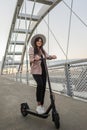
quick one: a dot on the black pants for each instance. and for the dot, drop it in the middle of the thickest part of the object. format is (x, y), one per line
(41, 86)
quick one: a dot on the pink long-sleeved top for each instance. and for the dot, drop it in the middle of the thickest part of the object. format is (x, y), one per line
(36, 65)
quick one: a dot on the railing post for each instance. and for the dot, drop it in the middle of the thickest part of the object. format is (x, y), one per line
(16, 76)
(20, 76)
(68, 80)
(27, 77)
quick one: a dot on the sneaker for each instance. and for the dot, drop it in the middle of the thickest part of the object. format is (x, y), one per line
(43, 108)
(39, 110)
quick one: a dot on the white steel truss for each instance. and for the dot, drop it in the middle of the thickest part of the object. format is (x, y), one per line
(33, 22)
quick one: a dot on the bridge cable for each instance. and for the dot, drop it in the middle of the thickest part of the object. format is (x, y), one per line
(48, 33)
(75, 14)
(69, 29)
(28, 30)
(27, 36)
(55, 37)
(26, 44)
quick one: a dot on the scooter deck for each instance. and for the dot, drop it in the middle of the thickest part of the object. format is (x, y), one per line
(25, 110)
(29, 111)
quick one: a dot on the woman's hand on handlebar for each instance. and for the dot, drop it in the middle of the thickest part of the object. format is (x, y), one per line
(54, 57)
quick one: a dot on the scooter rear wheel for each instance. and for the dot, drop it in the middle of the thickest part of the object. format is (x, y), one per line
(55, 118)
(24, 107)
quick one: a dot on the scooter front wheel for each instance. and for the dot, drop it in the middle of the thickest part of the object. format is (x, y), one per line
(23, 109)
(56, 119)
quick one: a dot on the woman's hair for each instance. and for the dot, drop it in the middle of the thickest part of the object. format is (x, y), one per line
(36, 51)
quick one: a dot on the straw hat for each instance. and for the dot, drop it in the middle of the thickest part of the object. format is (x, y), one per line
(36, 36)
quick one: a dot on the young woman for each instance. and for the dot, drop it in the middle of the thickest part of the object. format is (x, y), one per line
(38, 70)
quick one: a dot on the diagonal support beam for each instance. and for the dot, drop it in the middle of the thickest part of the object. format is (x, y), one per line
(21, 31)
(47, 2)
(17, 42)
(28, 17)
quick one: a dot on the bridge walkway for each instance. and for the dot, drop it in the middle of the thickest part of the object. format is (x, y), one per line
(73, 113)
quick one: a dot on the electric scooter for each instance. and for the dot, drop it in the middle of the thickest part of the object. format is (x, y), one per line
(25, 110)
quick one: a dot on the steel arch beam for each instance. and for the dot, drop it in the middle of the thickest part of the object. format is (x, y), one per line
(17, 9)
(48, 5)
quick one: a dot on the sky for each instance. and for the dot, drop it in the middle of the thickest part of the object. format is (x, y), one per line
(58, 23)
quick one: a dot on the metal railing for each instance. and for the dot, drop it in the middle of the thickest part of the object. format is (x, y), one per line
(67, 78)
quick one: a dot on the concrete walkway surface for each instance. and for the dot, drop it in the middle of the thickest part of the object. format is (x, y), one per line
(73, 113)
